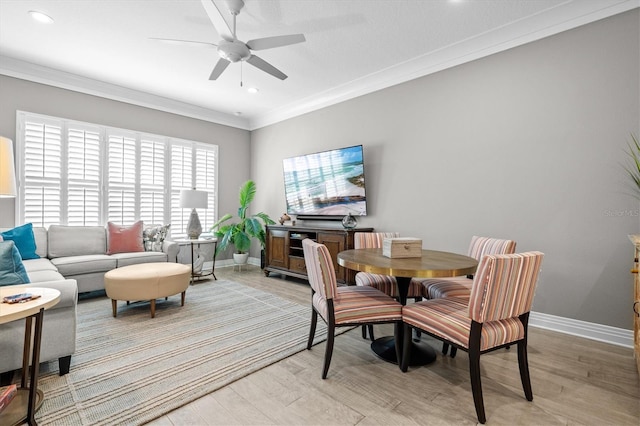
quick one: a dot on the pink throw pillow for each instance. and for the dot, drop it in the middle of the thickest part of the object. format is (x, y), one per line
(123, 239)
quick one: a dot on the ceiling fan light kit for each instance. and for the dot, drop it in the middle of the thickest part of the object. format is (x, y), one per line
(233, 51)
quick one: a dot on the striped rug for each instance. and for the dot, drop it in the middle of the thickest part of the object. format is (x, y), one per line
(132, 369)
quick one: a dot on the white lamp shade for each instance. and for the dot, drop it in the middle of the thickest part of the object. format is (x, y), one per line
(193, 199)
(7, 169)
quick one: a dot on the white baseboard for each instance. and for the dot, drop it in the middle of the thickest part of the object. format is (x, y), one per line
(229, 262)
(588, 330)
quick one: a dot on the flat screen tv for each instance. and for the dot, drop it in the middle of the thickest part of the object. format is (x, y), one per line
(326, 185)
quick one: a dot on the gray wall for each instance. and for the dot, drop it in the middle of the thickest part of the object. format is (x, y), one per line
(234, 147)
(526, 144)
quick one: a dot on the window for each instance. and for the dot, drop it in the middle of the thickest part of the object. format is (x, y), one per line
(74, 173)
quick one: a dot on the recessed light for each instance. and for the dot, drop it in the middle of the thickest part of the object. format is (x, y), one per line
(252, 90)
(41, 17)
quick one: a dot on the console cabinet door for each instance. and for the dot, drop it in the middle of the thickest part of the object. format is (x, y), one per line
(277, 249)
(335, 242)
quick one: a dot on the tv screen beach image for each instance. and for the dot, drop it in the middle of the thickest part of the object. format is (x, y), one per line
(329, 183)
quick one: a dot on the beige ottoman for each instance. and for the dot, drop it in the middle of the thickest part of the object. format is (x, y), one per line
(146, 281)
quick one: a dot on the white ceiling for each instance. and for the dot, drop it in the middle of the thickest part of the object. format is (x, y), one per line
(353, 47)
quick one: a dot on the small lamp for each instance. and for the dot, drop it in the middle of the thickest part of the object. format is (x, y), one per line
(193, 199)
(7, 169)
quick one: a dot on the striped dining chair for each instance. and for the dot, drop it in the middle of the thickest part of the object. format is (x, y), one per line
(384, 283)
(460, 287)
(496, 316)
(342, 306)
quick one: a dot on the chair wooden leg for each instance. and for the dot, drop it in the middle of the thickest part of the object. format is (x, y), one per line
(454, 351)
(445, 348)
(523, 364)
(329, 351)
(366, 327)
(417, 332)
(474, 370)
(406, 347)
(523, 361)
(312, 330)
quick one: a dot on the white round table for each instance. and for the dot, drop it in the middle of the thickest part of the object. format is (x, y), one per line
(29, 399)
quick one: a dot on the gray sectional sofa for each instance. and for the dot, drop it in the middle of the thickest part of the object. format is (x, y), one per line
(73, 259)
(80, 253)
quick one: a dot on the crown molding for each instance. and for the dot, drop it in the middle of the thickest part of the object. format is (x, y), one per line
(566, 16)
(39, 74)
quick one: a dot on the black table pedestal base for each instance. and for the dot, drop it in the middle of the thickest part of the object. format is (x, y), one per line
(421, 352)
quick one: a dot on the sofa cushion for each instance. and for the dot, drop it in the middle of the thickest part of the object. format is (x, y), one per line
(125, 259)
(68, 292)
(11, 268)
(42, 264)
(76, 265)
(41, 276)
(40, 234)
(76, 240)
(124, 239)
(24, 239)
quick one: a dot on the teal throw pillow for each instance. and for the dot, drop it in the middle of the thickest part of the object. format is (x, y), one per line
(11, 268)
(24, 239)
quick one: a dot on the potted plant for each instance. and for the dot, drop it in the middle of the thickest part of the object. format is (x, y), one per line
(240, 233)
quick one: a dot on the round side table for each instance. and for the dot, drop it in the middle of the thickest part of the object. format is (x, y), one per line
(28, 400)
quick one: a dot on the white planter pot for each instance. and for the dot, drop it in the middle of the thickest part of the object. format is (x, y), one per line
(240, 258)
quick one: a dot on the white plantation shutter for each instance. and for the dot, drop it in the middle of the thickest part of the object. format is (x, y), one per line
(152, 181)
(205, 177)
(74, 173)
(41, 172)
(181, 178)
(121, 180)
(83, 173)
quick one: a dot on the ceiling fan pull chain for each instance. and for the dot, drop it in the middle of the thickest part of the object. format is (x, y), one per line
(240, 74)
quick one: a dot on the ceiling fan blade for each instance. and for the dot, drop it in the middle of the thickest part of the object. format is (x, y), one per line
(219, 68)
(217, 19)
(277, 41)
(266, 67)
(183, 42)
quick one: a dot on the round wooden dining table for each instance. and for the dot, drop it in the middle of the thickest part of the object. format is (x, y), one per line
(432, 264)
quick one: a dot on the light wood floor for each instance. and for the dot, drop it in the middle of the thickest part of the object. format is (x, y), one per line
(575, 382)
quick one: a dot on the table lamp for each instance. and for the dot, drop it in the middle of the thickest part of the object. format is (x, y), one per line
(193, 199)
(7, 169)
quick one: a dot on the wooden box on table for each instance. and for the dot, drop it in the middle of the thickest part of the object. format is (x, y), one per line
(402, 247)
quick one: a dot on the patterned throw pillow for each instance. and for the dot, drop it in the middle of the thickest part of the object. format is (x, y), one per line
(154, 236)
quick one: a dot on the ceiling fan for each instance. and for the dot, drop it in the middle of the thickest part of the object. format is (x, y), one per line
(231, 49)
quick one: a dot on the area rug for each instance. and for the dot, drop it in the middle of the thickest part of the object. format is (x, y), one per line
(134, 368)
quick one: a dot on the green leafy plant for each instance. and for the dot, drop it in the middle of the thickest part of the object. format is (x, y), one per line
(240, 233)
(634, 169)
